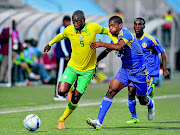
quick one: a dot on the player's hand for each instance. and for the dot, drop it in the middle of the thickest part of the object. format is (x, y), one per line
(94, 45)
(47, 48)
(165, 72)
(66, 58)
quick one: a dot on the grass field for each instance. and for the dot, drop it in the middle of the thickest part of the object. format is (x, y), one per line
(17, 102)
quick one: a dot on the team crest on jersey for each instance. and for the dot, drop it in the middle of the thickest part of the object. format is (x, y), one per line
(144, 44)
(64, 77)
(88, 33)
(81, 37)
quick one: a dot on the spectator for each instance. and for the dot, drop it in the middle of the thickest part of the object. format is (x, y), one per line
(63, 53)
(4, 42)
(24, 73)
(167, 28)
(36, 67)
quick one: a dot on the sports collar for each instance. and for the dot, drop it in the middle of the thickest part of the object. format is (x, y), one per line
(84, 29)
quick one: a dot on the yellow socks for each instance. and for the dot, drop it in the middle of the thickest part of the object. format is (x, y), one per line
(69, 109)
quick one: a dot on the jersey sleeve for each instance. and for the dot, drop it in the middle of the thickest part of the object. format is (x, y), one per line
(58, 37)
(100, 29)
(126, 35)
(156, 45)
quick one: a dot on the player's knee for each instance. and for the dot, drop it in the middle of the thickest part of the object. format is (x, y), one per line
(143, 100)
(60, 93)
(131, 97)
(75, 99)
(111, 93)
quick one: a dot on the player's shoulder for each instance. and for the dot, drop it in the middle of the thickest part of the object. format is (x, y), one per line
(125, 30)
(69, 28)
(151, 38)
(91, 24)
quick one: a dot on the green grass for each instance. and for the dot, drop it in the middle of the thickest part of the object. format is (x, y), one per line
(166, 121)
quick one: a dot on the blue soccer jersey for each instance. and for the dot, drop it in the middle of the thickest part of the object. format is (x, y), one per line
(133, 68)
(151, 48)
(132, 54)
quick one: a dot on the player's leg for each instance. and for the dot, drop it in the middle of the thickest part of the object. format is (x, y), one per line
(83, 80)
(114, 87)
(141, 90)
(117, 83)
(60, 67)
(72, 105)
(132, 104)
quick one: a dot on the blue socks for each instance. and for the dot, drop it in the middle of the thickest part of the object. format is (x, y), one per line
(105, 105)
(132, 107)
(150, 103)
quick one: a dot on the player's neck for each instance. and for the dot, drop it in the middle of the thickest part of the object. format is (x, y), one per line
(139, 35)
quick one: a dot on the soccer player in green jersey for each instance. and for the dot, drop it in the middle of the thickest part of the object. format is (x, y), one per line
(83, 59)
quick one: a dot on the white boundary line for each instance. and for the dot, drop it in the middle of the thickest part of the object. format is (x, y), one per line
(80, 105)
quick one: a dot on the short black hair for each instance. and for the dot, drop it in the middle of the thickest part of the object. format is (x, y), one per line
(67, 18)
(141, 19)
(116, 19)
(79, 13)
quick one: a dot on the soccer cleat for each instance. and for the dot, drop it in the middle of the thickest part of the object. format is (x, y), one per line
(132, 120)
(61, 125)
(94, 123)
(59, 98)
(151, 95)
(151, 112)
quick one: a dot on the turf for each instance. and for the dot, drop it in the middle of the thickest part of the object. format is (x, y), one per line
(166, 121)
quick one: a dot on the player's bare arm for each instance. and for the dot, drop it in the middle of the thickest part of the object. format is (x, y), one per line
(117, 46)
(165, 71)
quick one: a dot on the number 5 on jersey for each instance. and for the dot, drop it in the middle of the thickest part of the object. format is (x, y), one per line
(82, 43)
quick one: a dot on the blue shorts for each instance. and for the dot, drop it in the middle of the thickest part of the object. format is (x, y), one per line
(139, 80)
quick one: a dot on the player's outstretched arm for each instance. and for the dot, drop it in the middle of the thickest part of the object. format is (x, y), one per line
(117, 46)
(57, 38)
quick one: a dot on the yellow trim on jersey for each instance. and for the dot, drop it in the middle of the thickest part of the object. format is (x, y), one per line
(151, 50)
(125, 40)
(150, 83)
(152, 38)
(120, 33)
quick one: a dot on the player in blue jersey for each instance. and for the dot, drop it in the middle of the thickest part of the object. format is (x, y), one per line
(133, 70)
(151, 48)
